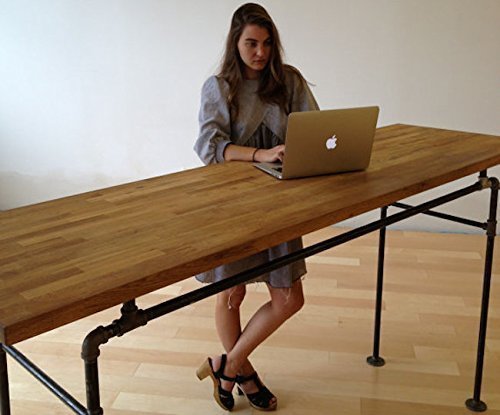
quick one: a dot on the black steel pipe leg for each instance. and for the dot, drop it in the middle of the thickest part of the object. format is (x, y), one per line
(131, 318)
(92, 387)
(375, 359)
(475, 403)
(90, 353)
(4, 384)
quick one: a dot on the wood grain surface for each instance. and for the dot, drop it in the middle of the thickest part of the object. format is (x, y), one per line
(66, 259)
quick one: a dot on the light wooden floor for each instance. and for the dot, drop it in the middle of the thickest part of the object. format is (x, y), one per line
(315, 364)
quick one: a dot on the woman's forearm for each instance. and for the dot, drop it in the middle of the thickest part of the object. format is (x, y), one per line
(233, 152)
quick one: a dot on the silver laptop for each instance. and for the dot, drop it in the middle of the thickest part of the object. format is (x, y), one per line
(325, 142)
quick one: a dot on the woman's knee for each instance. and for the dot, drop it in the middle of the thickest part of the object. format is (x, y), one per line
(233, 297)
(295, 302)
(288, 300)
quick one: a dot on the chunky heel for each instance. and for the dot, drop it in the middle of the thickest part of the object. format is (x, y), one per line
(222, 396)
(204, 370)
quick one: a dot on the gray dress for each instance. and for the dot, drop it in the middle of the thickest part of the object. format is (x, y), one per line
(258, 125)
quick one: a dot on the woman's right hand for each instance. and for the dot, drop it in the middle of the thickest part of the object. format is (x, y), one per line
(270, 155)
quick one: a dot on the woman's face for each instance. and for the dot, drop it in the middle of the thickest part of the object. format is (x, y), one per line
(254, 46)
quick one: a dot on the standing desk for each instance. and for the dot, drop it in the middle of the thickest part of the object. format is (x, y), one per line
(66, 259)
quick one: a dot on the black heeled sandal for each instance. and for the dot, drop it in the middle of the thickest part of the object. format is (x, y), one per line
(223, 397)
(260, 400)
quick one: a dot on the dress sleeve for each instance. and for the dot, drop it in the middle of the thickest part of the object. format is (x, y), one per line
(215, 122)
(302, 96)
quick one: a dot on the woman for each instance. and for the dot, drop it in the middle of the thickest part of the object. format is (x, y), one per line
(243, 116)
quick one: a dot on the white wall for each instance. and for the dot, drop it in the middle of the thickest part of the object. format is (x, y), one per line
(96, 93)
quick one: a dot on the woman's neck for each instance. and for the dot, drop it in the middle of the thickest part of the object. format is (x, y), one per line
(251, 75)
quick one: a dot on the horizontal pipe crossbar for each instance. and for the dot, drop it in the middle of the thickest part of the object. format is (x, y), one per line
(216, 287)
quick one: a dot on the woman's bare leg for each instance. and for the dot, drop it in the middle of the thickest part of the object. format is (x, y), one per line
(228, 325)
(284, 303)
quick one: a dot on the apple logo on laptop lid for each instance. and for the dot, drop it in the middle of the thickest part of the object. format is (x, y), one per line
(331, 142)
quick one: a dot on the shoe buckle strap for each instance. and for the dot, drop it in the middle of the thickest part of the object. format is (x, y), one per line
(224, 377)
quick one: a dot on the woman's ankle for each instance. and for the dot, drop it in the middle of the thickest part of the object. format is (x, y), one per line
(226, 371)
(246, 369)
(233, 366)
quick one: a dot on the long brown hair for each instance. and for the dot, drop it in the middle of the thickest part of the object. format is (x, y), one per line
(272, 86)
